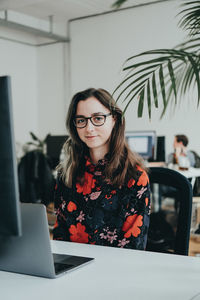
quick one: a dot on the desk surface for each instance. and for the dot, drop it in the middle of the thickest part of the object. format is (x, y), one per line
(191, 172)
(115, 274)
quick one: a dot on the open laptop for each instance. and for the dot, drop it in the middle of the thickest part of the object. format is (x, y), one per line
(31, 253)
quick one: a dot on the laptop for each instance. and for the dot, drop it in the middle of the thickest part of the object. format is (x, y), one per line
(31, 253)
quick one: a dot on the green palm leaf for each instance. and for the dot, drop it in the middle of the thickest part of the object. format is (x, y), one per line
(154, 89)
(175, 53)
(165, 68)
(196, 72)
(133, 75)
(191, 17)
(133, 96)
(162, 85)
(132, 83)
(171, 73)
(141, 103)
(118, 3)
(134, 89)
(149, 99)
(164, 73)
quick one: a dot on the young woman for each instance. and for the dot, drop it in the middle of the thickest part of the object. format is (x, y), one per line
(102, 192)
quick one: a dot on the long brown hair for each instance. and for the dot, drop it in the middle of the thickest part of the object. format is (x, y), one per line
(122, 161)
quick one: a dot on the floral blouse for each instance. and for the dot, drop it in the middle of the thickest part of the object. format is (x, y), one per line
(97, 213)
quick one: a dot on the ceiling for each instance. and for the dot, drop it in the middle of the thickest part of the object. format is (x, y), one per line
(63, 10)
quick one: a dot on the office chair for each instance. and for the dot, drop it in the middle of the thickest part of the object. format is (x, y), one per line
(171, 178)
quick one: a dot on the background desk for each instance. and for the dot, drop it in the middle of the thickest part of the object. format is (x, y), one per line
(116, 274)
(192, 173)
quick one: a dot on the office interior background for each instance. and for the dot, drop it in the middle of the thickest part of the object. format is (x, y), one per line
(90, 52)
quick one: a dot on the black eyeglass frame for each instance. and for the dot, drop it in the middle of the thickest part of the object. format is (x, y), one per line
(90, 118)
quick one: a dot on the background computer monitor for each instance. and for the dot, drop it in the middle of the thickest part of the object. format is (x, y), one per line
(143, 142)
(10, 217)
(160, 149)
(54, 146)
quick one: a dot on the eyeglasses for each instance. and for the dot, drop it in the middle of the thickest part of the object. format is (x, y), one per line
(98, 120)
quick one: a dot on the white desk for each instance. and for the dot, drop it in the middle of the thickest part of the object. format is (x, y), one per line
(191, 173)
(116, 274)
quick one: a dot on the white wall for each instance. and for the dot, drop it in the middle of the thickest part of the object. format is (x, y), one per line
(52, 83)
(20, 62)
(38, 79)
(100, 45)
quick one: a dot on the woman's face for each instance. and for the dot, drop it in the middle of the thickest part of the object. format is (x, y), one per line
(95, 137)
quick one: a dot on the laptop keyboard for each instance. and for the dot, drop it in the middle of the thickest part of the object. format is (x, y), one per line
(64, 262)
(60, 267)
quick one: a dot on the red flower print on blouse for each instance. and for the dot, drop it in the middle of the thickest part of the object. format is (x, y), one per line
(89, 184)
(71, 206)
(131, 183)
(56, 224)
(143, 179)
(131, 225)
(78, 234)
(88, 162)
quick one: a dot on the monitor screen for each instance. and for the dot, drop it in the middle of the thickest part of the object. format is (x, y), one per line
(10, 217)
(143, 142)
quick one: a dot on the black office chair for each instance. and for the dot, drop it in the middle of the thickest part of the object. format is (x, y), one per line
(180, 244)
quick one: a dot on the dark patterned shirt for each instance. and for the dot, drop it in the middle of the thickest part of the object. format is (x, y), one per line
(97, 213)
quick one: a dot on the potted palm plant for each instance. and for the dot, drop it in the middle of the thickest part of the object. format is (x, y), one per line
(158, 76)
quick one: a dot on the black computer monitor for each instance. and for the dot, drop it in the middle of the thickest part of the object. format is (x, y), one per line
(10, 213)
(54, 146)
(160, 149)
(143, 142)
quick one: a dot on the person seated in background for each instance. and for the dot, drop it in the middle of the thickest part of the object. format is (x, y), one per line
(102, 195)
(180, 151)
